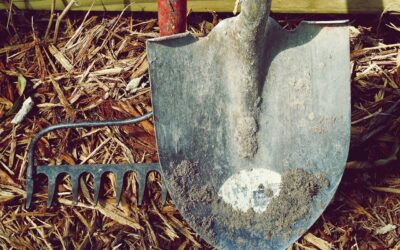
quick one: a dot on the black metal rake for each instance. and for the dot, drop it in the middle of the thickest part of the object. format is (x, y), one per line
(97, 170)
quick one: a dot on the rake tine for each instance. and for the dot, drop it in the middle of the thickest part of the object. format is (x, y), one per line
(119, 181)
(75, 187)
(51, 189)
(97, 171)
(163, 193)
(97, 183)
(142, 186)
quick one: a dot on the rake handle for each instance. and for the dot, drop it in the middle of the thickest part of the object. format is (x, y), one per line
(172, 16)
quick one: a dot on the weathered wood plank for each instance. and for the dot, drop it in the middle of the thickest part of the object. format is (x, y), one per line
(278, 6)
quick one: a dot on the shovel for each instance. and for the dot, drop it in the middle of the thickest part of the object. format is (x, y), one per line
(252, 125)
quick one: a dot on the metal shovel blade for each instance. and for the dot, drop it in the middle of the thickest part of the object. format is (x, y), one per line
(253, 125)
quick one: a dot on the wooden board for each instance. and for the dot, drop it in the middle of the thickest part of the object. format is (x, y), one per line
(278, 6)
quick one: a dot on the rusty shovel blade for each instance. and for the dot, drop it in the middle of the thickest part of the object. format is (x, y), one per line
(253, 125)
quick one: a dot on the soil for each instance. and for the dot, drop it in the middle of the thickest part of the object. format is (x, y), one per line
(187, 182)
(206, 212)
(298, 189)
(245, 136)
(269, 192)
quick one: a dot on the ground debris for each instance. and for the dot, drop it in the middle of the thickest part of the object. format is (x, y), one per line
(25, 109)
(92, 62)
(385, 229)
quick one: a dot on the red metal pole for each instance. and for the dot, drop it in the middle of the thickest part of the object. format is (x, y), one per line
(172, 16)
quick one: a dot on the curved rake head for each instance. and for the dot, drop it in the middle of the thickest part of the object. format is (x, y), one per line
(97, 170)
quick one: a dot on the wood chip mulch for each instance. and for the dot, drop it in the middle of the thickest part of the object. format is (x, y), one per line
(94, 67)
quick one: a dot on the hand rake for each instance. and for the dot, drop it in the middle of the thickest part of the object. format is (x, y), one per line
(97, 170)
(170, 22)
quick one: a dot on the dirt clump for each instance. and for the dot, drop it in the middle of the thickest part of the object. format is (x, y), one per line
(186, 177)
(192, 192)
(245, 136)
(269, 192)
(298, 189)
(207, 212)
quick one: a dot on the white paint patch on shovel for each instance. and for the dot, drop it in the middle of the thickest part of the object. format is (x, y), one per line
(253, 188)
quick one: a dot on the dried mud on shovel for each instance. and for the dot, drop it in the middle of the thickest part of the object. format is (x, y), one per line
(297, 192)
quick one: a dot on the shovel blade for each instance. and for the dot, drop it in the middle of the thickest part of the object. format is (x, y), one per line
(251, 124)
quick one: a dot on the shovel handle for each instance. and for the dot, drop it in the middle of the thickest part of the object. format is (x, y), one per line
(172, 16)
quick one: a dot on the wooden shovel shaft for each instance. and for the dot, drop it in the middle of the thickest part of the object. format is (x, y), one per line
(172, 16)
